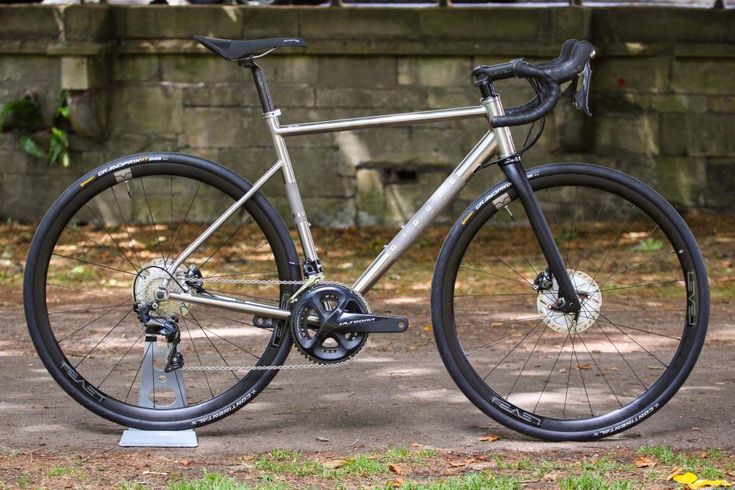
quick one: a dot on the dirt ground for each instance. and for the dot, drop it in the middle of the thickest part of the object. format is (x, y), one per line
(395, 394)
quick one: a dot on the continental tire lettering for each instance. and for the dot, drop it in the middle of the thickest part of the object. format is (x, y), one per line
(82, 383)
(127, 163)
(210, 418)
(631, 421)
(491, 196)
(515, 411)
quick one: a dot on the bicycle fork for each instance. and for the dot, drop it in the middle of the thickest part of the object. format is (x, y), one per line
(515, 173)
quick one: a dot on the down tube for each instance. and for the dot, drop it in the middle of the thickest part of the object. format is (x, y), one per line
(443, 196)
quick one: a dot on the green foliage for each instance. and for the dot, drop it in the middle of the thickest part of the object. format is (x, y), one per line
(23, 117)
(595, 481)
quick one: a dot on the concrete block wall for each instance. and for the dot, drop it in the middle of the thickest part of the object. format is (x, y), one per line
(663, 96)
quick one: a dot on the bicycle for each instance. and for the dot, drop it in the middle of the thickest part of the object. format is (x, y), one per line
(547, 244)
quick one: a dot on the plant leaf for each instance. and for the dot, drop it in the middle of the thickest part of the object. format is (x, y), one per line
(31, 147)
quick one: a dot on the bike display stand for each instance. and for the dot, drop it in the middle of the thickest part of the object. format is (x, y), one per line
(158, 383)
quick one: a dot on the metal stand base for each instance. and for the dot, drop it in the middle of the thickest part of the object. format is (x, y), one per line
(159, 389)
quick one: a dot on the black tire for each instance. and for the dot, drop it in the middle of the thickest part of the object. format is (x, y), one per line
(88, 211)
(610, 398)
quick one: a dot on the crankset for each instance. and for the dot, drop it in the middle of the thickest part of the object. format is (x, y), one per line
(330, 323)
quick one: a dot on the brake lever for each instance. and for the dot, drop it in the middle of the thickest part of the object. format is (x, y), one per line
(581, 97)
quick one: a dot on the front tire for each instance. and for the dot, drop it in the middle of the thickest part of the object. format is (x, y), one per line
(639, 272)
(103, 242)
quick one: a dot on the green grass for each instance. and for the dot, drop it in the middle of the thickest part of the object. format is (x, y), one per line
(470, 481)
(596, 481)
(59, 471)
(698, 465)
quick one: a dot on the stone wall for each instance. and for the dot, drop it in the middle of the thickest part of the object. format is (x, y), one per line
(663, 96)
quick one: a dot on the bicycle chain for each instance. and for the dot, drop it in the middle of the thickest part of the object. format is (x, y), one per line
(311, 365)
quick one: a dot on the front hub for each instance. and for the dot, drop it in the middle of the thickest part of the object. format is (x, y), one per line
(590, 298)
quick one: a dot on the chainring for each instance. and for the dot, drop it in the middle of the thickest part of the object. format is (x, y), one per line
(314, 314)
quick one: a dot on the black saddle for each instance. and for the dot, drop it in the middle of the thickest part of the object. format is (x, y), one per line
(233, 50)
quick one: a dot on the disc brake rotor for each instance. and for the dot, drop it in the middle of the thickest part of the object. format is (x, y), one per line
(590, 298)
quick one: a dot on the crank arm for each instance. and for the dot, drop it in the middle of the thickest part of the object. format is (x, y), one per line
(367, 323)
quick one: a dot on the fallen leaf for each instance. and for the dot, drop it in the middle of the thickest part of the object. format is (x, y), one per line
(427, 328)
(398, 469)
(322, 439)
(644, 463)
(334, 464)
(709, 484)
(248, 457)
(185, 462)
(674, 472)
(489, 438)
(584, 367)
(416, 444)
(458, 464)
(685, 478)
(394, 483)
(482, 465)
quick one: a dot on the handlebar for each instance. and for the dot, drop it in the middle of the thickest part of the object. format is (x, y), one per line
(572, 61)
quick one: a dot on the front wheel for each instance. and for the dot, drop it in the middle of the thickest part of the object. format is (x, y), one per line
(105, 245)
(645, 305)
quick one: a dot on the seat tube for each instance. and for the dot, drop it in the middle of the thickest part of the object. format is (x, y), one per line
(514, 171)
(312, 265)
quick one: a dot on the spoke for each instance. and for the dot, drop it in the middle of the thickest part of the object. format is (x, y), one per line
(615, 240)
(513, 349)
(634, 340)
(127, 229)
(181, 223)
(210, 341)
(646, 285)
(83, 310)
(581, 375)
(120, 360)
(137, 371)
(153, 222)
(513, 218)
(242, 223)
(88, 291)
(569, 375)
(103, 338)
(601, 371)
(636, 266)
(543, 331)
(494, 341)
(551, 372)
(94, 320)
(638, 245)
(231, 343)
(587, 250)
(621, 355)
(112, 251)
(524, 281)
(640, 329)
(89, 208)
(494, 294)
(196, 353)
(94, 264)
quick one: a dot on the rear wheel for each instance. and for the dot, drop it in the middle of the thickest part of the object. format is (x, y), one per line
(639, 275)
(103, 246)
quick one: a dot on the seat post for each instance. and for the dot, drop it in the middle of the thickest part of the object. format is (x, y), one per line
(260, 84)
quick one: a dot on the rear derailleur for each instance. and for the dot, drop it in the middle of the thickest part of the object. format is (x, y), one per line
(167, 328)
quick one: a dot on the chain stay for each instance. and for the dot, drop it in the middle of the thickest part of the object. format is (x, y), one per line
(311, 365)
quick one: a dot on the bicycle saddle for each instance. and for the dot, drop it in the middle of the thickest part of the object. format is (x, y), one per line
(239, 49)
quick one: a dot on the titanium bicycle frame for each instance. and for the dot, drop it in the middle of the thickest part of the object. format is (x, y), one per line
(497, 141)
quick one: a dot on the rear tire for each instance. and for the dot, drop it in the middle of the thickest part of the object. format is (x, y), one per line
(655, 308)
(93, 243)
